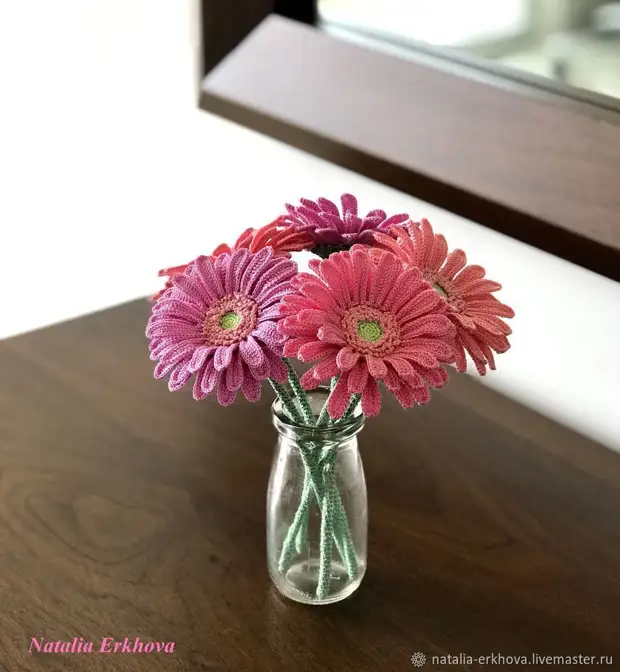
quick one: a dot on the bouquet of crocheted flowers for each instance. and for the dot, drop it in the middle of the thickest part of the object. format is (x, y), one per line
(386, 304)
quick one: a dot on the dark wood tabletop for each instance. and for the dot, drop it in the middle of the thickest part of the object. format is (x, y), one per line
(127, 511)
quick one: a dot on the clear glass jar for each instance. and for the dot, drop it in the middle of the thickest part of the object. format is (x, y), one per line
(317, 511)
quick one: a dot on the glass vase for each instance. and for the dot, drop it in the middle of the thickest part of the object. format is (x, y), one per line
(317, 512)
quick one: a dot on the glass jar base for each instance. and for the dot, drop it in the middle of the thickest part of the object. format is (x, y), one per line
(301, 580)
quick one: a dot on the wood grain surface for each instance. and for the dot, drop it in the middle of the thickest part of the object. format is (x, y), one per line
(127, 511)
(536, 166)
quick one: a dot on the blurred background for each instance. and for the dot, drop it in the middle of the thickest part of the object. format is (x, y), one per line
(576, 42)
(109, 172)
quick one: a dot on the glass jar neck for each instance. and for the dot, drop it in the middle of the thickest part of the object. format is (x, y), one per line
(334, 433)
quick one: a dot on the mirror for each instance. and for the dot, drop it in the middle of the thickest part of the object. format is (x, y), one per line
(576, 43)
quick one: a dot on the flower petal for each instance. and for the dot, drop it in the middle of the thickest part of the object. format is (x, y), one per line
(315, 350)
(469, 274)
(358, 377)
(191, 288)
(254, 269)
(382, 281)
(339, 398)
(429, 325)
(308, 381)
(277, 369)
(371, 398)
(325, 369)
(480, 287)
(200, 357)
(176, 355)
(376, 367)
(251, 352)
(442, 350)
(437, 377)
(423, 358)
(197, 391)
(347, 358)
(292, 346)
(207, 277)
(223, 356)
(331, 334)
(225, 397)
(455, 262)
(251, 387)
(269, 334)
(176, 329)
(178, 377)
(361, 274)
(234, 373)
(428, 300)
(319, 294)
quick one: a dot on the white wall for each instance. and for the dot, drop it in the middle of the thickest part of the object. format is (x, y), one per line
(108, 172)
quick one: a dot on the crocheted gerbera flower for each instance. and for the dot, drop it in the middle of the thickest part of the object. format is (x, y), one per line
(283, 238)
(365, 323)
(332, 231)
(473, 309)
(218, 321)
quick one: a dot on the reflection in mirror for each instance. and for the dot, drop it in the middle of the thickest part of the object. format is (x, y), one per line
(576, 42)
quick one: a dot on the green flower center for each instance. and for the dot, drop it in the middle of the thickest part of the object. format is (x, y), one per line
(369, 330)
(440, 290)
(230, 320)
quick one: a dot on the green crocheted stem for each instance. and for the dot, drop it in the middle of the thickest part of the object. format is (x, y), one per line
(300, 394)
(342, 523)
(301, 538)
(313, 487)
(299, 532)
(350, 409)
(301, 514)
(319, 483)
(324, 417)
(308, 414)
(287, 401)
(327, 528)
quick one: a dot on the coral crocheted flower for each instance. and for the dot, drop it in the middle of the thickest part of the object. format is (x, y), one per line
(365, 323)
(218, 320)
(283, 238)
(168, 273)
(332, 231)
(473, 309)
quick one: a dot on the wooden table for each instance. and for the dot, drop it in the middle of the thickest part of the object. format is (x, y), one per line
(127, 511)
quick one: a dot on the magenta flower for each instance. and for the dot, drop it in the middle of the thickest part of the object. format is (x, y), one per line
(332, 231)
(218, 321)
(367, 322)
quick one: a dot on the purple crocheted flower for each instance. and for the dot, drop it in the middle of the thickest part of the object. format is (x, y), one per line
(333, 231)
(218, 321)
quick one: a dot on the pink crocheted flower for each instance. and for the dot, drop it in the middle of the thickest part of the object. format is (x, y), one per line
(283, 238)
(473, 309)
(331, 230)
(365, 323)
(218, 320)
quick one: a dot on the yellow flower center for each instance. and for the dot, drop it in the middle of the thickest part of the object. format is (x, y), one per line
(230, 320)
(369, 330)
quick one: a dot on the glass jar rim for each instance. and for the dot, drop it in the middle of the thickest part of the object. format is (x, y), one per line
(333, 433)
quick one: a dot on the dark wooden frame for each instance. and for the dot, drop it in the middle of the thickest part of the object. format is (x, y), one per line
(537, 166)
(225, 23)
